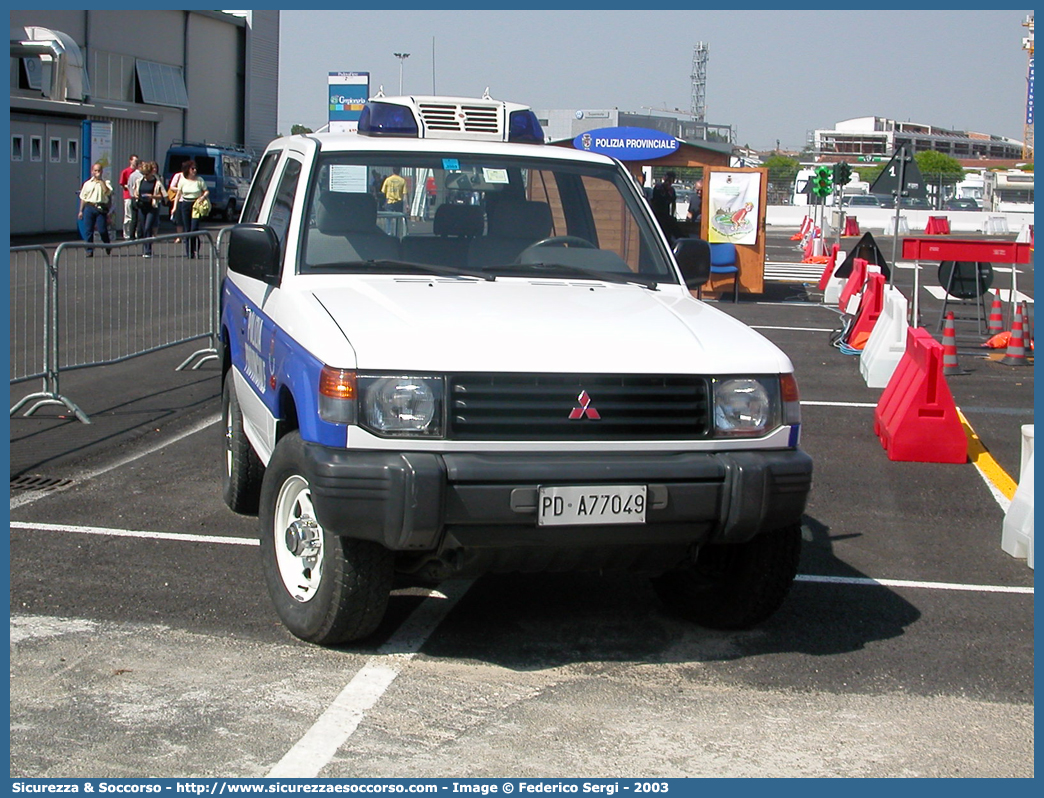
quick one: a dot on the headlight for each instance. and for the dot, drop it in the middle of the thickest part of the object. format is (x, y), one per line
(407, 405)
(745, 407)
(399, 405)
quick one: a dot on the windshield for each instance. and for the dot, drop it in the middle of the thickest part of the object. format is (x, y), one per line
(508, 216)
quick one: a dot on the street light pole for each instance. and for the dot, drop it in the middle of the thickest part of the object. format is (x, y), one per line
(402, 57)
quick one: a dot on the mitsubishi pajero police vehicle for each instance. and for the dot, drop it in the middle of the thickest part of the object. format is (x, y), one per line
(510, 375)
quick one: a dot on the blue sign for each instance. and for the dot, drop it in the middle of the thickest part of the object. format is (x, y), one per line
(627, 143)
(348, 93)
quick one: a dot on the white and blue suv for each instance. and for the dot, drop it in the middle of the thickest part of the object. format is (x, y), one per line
(508, 372)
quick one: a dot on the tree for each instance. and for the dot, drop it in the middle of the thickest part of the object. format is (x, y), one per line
(938, 167)
(940, 173)
(781, 173)
(298, 129)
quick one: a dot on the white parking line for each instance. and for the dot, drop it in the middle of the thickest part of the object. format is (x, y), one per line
(134, 533)
(793, 329)
(867, 581)
(321, 742)
(31, 496)
(190, 538)
(815, 403)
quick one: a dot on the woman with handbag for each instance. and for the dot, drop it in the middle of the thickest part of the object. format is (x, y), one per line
(172, 203)
(95, 202)
(149, 197)
(191, 187)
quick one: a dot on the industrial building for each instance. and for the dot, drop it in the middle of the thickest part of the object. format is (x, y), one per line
(874, 136)
(107, 83)
(560, 124)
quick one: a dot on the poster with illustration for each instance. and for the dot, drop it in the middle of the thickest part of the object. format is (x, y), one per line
(734, 211)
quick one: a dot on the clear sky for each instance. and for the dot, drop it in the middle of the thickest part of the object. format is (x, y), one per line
(771, 74)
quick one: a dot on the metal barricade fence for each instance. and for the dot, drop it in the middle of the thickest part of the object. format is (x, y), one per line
(94, 309)
(30, 299)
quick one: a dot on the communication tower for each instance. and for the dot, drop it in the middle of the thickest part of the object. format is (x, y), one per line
(1027, 137)
(698, 104)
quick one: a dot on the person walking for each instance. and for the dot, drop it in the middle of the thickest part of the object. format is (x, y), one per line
(172, 194)
(432, 191)
(149, 197)
(663, 204)
(375, 187)
(394, 190)
(128, 200)
(191, 187)
(95, 202)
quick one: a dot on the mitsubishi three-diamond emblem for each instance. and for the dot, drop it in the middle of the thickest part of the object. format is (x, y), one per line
(585, 409)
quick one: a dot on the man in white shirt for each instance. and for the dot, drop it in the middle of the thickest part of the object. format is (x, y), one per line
(132, 187)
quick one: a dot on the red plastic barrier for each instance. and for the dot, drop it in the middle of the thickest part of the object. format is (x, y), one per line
(938, 225)
(828, 272)
(854, 284)
(851, 226)
(810, 245)
(870, 306)
(963, 249)
(916, 419)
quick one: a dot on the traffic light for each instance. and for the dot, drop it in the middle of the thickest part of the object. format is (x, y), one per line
(842, 173)
(821, 182)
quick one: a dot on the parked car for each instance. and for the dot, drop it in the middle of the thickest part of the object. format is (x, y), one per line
(529, 384)
(915, 203)
(961, 205)
(864, 201)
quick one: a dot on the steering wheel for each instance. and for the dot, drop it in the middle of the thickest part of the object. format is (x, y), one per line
(557, 241)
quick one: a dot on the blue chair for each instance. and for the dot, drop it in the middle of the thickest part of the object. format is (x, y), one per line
(724, 261)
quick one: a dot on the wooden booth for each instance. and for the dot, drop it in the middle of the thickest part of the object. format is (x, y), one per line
(714, 159)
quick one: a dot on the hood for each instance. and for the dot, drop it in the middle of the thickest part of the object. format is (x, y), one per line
(541, 325)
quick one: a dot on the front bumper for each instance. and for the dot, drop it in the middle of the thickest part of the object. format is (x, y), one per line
(416, 501)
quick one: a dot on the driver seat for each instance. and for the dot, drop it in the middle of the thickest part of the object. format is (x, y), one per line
(514, 224)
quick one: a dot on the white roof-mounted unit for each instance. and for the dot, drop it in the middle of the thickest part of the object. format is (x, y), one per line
(64, 77)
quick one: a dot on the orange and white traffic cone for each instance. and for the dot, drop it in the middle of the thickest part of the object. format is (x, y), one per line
(996, 322)
(1016, 354)
(800, 234)
(949, 343)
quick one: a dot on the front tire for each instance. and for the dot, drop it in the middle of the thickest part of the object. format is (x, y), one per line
(735, 586)
(326, 589)
(243, 471)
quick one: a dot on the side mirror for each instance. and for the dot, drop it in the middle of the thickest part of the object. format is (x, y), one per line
(254, 251)
(694, 260)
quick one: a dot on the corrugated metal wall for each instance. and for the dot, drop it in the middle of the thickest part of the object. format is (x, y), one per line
(262, 79)
(132, 136)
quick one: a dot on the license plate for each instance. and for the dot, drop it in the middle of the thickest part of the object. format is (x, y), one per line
(596, 504)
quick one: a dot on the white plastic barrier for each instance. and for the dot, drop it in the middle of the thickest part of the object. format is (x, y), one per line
(996, 224)
(1017, 530)
(1025, 235)
(904, 227)
(832, 292)
(887, 342)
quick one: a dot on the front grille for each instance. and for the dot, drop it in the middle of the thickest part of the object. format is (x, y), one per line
(526, 407)
(453, 118)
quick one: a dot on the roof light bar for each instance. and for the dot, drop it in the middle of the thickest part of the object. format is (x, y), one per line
(388, 119)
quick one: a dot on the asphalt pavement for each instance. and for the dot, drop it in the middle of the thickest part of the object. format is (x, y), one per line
(144, 643)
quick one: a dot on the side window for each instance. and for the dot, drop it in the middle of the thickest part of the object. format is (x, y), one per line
(258, 189)
(282, 207)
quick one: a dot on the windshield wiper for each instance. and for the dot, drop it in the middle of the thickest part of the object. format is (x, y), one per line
(425, 268)
(576, 271)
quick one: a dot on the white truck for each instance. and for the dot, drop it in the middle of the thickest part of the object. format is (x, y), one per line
(523, 383)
